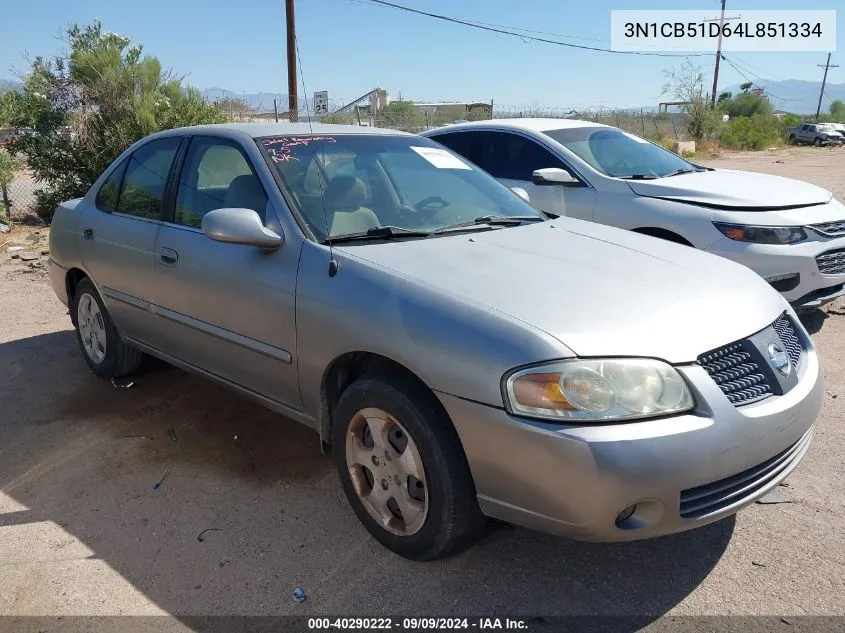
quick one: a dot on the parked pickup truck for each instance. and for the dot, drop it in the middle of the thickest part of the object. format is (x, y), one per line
(815, 133)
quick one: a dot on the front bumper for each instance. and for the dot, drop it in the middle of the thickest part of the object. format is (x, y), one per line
(574, 480)
(770, 260)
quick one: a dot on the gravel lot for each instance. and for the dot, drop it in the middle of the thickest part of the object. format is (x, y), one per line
(83, 532)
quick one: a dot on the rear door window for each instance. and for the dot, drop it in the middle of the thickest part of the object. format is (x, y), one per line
(142, 194)
(459, 142)
(110, 190)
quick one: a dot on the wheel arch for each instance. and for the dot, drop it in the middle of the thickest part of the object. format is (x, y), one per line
(72, 279)
(348, 367)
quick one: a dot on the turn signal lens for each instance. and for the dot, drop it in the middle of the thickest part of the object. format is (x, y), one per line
(540, 391)
(762, 234)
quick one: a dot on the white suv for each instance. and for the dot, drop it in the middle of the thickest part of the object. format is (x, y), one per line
(790, 232)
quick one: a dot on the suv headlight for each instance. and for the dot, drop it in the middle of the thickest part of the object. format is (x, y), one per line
(762, 234)
(594, 390)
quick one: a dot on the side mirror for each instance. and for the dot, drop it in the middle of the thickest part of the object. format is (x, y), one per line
(521, 193)
(239, 226)
(554, 176)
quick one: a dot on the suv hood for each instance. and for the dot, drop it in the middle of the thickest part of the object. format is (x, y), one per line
(730, 189)
(600, 291)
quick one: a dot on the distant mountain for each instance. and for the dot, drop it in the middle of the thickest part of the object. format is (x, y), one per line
(798, 96)
(258, 101)
(10, 84)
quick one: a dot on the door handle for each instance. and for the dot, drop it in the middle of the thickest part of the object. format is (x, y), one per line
(169, 256)
(88, 234)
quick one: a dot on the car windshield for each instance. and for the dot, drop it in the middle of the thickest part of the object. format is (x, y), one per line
(351, 184)
(620, 154)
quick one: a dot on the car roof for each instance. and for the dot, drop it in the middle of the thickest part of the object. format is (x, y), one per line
(526, 124)
(258, 130)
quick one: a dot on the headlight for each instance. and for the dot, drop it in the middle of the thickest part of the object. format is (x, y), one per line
(597, 390)
(762, 234)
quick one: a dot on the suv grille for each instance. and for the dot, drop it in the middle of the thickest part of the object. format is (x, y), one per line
(738, 373)
(830, 229)
(831, 262)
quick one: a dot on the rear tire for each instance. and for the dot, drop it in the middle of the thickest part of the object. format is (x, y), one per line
(792, 139)
(106, 353)
(817, 142)
(383, 411)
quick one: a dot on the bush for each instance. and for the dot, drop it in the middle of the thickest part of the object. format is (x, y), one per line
(745, 104)
(80, 110)
(752, 133)
(9, 165)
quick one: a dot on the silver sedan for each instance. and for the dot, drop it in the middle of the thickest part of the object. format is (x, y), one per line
(458, 353)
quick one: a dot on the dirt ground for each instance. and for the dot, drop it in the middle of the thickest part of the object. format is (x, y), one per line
(83, 532)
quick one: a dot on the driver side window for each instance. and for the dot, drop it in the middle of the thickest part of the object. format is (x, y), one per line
(511, 156)
(216, 174)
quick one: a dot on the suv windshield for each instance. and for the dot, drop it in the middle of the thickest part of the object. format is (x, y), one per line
(620, 154)
(349, 184)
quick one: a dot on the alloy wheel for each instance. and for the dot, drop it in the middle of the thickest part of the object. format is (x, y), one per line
(387, 472)
(92, 328)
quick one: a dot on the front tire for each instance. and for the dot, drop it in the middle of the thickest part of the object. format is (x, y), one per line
(107, 355)
(403, 469)
(817, 142)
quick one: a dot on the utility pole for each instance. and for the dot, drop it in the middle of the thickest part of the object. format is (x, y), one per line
(293, 100)
(718, 57)
(826, 67)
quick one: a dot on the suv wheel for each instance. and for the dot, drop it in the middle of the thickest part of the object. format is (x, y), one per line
(403, 468)
(106, 353)
(818, 141)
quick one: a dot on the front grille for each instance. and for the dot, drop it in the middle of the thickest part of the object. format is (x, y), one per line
(830, 229)
(831, 262)
(786, 331)
(737, 374)
(718, 495)
(738, 368)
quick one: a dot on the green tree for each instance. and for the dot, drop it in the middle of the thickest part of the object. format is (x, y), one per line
(746, 86)
(746, 104)
(233, 107)
(78, 111)
(727, 95)
(837, 110)
(400, 108)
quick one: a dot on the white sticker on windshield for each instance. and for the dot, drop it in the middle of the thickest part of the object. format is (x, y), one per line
(440, 158)
(635, 137)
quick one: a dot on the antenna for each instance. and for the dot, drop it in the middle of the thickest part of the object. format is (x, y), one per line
(333, 265)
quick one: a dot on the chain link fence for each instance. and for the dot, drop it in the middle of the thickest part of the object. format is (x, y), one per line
(415, 116)
(17, 188)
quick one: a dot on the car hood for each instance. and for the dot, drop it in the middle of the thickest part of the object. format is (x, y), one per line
(730, 189)
(599, 290)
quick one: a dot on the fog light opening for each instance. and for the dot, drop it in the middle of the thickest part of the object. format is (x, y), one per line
(784, 283)
(625, 514)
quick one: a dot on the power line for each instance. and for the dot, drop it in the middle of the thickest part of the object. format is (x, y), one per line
(511, 32)
(746, 77)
